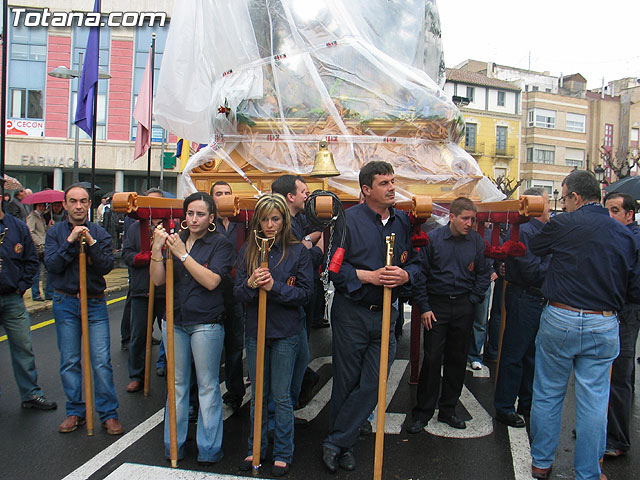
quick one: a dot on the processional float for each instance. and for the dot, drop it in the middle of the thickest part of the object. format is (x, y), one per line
(146, 209)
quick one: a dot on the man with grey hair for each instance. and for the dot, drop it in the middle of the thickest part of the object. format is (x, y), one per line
(524, 302)
(594, 269)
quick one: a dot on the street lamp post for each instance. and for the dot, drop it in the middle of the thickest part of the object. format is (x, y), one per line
(68, 74)
(555, 200)
(599, 173)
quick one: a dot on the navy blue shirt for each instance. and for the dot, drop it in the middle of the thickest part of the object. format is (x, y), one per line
(529, 270)
(366, 249)
(453, 266)
(230, 233)
(635, 229)
(18, 259)
(194, 303)
(62, 258)
(300, 228)
(595, 260)
(139, 280)
(292, 287)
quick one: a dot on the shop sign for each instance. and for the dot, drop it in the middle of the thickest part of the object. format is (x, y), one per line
(26, 128)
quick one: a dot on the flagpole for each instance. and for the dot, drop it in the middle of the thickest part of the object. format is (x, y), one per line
(95, 123)
(3, 103)
(153, 58)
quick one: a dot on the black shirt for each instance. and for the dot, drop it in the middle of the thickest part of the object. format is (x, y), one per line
(594, 263)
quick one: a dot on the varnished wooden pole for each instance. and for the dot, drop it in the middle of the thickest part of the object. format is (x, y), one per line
(503, 324)
(171, 364)
(259, 377)
(384, 368)
(147, 350)
(86, 353)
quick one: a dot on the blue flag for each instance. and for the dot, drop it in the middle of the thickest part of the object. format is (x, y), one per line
(88, 80)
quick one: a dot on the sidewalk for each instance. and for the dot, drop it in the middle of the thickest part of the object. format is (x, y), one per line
(117, 280)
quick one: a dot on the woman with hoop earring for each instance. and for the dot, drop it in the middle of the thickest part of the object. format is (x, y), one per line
(205, 257)
(288, 282)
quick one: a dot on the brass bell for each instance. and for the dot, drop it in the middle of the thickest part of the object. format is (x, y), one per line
(324, 166)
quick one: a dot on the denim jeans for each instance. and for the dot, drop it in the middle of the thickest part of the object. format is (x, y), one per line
(35, 286)
(138, 341)
(481, 313)
(66, 311)
(301, 360)
(15, 320)
(202, 342)
(517, 360)
(588, 344)
(279, 357)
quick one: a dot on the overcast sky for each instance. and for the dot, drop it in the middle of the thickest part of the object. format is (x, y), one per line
(595, 39)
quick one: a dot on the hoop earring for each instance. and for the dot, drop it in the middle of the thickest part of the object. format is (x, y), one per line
(211, 225)
(183, 225)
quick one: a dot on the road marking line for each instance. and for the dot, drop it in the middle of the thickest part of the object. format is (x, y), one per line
(49, 322)
(480, 425)
(116, 448)
(134, 471)
(520, 452)
(392, 421)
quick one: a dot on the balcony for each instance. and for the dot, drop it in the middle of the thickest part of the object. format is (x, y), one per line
(508, 152)
(477, 149)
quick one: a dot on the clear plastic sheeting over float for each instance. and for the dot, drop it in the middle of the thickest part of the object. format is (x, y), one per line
(265, 81)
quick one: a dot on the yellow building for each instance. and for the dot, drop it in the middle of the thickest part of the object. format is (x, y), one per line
(491, 110)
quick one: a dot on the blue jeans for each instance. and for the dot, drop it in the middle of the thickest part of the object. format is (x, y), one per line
(481, 313)
(301, 361)
(202, 342)
(15, 320)
(66, 311)
(35, 286)
(279, 357)
(588, 344)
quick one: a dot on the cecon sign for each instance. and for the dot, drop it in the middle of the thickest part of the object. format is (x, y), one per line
(26, 128)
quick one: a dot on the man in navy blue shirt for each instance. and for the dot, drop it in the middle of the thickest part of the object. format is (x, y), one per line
(622, 207)
(356, 313)
(18, 264)
(233, 322)
(457, 276)
(62, 248)
(594, 270)
(524, 301)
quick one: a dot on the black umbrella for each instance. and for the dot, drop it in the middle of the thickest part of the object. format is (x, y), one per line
(87, 185)
(630, 185)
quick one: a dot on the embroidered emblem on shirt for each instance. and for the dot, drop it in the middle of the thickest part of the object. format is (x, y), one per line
(403, 257)
(292, 281)
(18, 248)
(471, 266)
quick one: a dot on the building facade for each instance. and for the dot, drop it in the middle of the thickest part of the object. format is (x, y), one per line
(492, 117)
(40, 142)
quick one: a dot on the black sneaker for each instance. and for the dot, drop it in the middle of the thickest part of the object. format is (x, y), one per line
(41, 403)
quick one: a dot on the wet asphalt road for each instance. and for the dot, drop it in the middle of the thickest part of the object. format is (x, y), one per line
(31, 447)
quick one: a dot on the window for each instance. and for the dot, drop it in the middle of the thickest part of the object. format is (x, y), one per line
(576, 122)
(539, 117)
(534, 88)
(80, 37)
(27, 71)
(470, 136)
(499, 172)
(541, 154)
(608, 137)
(544, 185)
(143, 44)
(501, 97)
(470, 94)
(574, 157)
(501, 140)
(634, 137)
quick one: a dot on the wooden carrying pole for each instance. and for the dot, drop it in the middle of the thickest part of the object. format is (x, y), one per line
(171, 363)
(147, 354)
(86, 354)
(503, 325)
(259, 380)
(384, 365)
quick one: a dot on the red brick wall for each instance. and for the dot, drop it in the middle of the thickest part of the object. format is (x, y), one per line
(57, 89)
(119, 102)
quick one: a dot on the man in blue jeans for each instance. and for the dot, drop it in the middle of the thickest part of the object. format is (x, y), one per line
(594, 269)
(62, 250)
(18, 264)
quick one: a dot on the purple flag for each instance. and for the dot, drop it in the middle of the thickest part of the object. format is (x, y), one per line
(88, 80)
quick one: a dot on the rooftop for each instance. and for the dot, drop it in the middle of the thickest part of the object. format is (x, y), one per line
(473, 78)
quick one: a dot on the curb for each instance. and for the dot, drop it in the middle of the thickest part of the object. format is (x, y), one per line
(47, 306)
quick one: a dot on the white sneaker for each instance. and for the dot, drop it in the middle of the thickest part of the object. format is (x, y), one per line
(476, 366)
